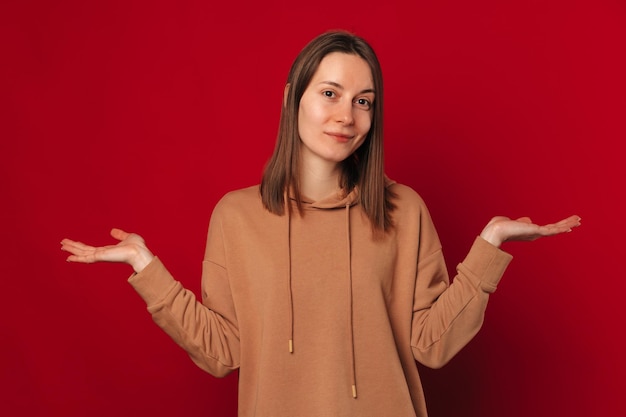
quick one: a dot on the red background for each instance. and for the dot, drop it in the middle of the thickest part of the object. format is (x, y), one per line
(141, 114)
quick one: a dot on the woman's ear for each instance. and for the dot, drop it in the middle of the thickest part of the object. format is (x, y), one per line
(286, 94)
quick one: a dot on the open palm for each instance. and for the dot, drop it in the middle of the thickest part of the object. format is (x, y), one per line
(131, 249)
(502, 229)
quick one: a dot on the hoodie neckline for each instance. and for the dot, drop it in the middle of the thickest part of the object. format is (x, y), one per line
(332, 201)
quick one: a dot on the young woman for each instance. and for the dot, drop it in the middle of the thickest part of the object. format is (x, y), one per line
(324, 284)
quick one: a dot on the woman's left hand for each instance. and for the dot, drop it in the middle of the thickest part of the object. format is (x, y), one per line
(502, 229)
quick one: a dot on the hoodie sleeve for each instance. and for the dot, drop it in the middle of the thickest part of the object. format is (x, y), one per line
(447, 316)
(207, 330)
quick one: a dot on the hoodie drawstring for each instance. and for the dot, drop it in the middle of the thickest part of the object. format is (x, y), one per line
(290, 295)
(350, 299)
(351, 309)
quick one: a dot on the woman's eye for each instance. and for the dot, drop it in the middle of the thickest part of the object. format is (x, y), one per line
(364, 103)
(328, 93)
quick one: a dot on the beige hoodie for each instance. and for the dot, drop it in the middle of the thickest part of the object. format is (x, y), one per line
(320, 318)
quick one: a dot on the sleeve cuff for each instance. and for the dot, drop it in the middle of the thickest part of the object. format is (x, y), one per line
(485, 264)
(153, 282)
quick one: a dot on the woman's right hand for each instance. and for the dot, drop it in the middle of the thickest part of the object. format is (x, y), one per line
(131, 250)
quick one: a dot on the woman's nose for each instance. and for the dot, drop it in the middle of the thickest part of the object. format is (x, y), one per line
(344, 113)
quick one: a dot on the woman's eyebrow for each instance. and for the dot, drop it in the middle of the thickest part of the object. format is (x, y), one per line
(339, 86)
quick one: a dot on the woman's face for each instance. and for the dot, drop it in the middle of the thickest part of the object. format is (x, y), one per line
(335, 112)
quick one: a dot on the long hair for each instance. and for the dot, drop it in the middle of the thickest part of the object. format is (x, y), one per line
(363, 169)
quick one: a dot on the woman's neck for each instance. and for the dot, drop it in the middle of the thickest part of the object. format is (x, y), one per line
(319, 180)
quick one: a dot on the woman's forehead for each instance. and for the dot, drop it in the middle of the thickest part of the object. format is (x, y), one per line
(345, 71)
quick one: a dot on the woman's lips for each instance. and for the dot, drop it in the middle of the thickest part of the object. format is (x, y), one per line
(340, 137)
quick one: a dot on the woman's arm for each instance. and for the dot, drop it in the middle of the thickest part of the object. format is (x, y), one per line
(447, 316)
(208, 332)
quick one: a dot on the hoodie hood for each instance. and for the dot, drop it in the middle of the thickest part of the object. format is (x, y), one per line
(333, 201)
(336, 200)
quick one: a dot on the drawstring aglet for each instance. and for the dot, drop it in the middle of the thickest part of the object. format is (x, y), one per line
(353, 391)
(290, 345)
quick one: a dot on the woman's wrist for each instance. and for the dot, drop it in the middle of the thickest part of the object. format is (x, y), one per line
(490, 234)
(142, 258)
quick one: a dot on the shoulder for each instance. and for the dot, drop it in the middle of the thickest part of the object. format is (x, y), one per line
(242, 196)
(412, 218)
(410, 209)
(239, 201)
(405, 196)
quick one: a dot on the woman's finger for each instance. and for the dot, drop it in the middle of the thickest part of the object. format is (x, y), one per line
(119, 234)
(76, 248)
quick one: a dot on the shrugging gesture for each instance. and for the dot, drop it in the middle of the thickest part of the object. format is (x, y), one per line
(295, 303)
(131, 250)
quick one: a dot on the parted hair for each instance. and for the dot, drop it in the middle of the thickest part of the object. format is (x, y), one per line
(364, 169)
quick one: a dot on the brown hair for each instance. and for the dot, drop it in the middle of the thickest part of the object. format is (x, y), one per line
(364, 168)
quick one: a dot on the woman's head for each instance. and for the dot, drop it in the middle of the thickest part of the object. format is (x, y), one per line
(365, 166)
(307, 63)
(335, 112)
